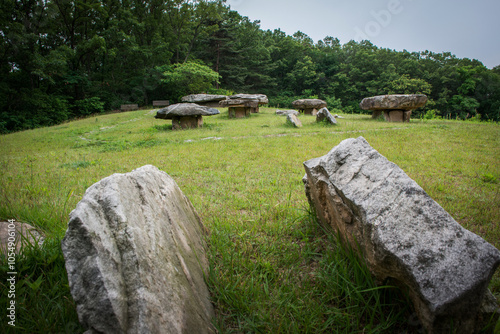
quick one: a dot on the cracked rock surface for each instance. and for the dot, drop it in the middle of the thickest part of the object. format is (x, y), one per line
(404, 235)
(135, 257)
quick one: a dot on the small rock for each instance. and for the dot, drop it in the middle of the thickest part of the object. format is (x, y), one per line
(20, 234)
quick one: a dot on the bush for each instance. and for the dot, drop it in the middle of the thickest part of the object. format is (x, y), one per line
(432, 114)
(89, 106)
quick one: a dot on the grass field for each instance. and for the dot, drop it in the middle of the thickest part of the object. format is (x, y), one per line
(272, 268)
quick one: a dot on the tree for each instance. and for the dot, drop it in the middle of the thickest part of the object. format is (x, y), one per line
(188, 78)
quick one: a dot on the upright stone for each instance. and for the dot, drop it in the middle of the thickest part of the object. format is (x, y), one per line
(135, 257)
(293, 120)
(404, 235)
(324, 115)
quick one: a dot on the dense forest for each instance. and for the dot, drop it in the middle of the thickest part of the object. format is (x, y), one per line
(63, 59)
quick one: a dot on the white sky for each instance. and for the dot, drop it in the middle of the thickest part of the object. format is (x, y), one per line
(467, 29)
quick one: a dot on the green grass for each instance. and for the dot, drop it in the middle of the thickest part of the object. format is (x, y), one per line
(272, 268)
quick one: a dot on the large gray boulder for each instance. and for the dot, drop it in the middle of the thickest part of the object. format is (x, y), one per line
(135, 257)
(395, 108)
(186, 115)
(405, 237)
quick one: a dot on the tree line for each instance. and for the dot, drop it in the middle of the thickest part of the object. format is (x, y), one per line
(63, 59)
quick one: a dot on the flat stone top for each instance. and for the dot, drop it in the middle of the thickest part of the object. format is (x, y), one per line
(394, 102)
(308, 103)
(185, 109)
(194, 98)
(240, 103)
(260, 97)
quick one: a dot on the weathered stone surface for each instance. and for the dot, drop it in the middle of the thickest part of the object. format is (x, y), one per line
(186, 115)
(20, 235)
(239, 112)
(261, 98)
(135, 257)
(325, 115)
(403, 235)
(308, 103)
(239, 103)
(249, 102)
(187, 122)
(197, 98)
(293, 120)
(207, 100)
(286, 112)
(309, 106)
(395, 108)
(394, 102)
(185, 109)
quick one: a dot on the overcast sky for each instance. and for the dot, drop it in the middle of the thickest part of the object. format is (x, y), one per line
(467, 29)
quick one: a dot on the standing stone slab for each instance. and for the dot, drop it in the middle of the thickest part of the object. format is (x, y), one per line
(324, 115)
(135, 257)
(404, 235)
(293, 120)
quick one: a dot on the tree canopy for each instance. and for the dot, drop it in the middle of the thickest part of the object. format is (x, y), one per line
(61, 59)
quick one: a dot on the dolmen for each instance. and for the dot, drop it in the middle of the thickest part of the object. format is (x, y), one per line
(135, 257)
(404, 236)
(186, 115)
(324, 115)
(242, 105)
(395, 108)
(207, 100)
(309, 106)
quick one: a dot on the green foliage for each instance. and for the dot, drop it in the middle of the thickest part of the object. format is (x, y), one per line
(273, 268)
(43, 300)
(58, 53)
(431, 114)
(89, 106)
(188, 78)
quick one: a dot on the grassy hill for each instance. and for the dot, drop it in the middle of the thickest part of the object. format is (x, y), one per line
(272, 267)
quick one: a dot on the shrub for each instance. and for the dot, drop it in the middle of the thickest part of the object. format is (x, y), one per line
(89, 106)
(432, 114)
